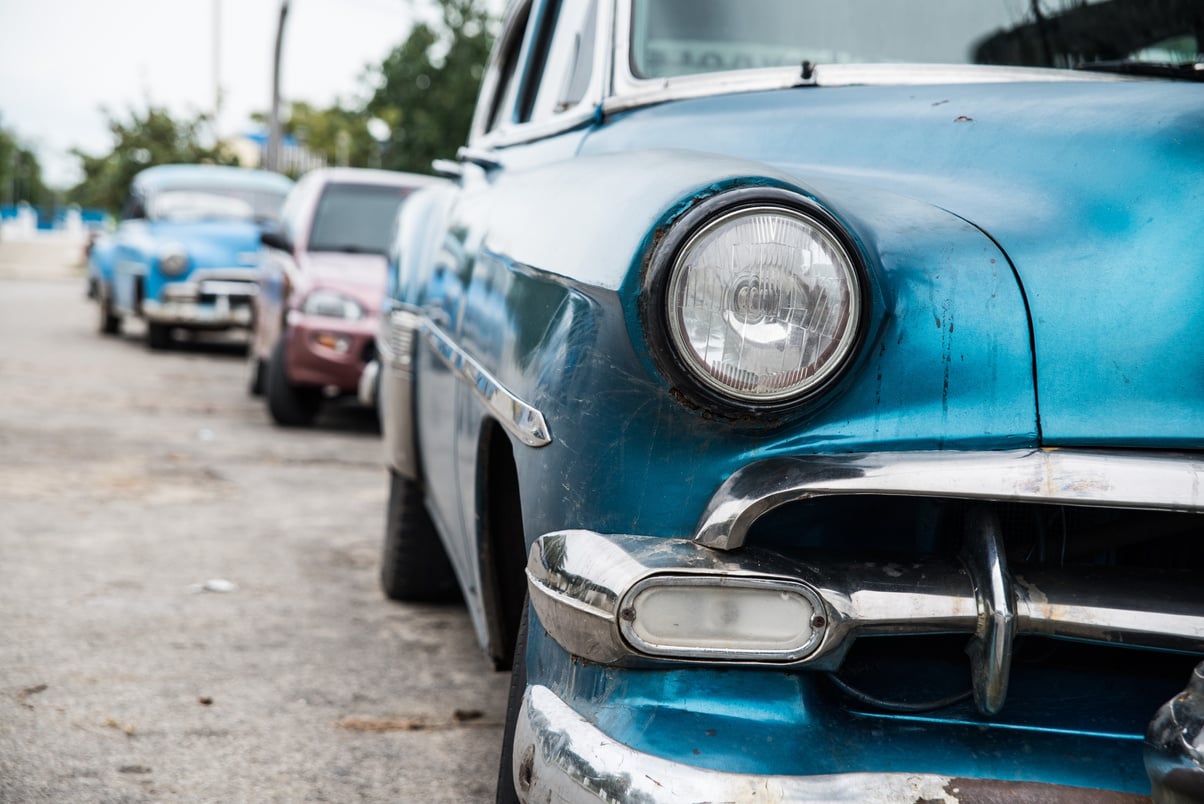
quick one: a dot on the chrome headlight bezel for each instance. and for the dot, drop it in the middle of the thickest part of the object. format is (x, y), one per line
(665, 337)
(172, 260)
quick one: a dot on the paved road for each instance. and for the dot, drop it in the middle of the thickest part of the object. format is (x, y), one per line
(130, 479)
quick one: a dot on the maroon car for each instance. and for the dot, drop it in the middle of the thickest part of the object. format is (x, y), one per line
(321, 283)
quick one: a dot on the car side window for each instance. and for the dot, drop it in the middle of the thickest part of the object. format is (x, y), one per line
(506, 91)
(567, 62)
(135, 205)
(290, 213)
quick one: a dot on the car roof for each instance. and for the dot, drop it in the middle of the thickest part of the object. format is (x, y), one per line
(351, 175)
(161, 176)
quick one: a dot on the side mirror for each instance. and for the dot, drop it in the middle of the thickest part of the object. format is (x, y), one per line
(274, 237)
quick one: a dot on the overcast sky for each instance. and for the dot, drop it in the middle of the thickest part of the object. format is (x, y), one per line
(62, 60)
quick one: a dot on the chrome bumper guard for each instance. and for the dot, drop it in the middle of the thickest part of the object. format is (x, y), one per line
(395, 344)
(560, 757)
(369, 384)
(1174, 745)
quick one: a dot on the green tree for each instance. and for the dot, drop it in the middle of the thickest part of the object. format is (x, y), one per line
(142, 139)
(338, 133)
(20, 173)
(427, 86)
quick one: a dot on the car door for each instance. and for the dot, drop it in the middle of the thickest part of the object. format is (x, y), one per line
(535, 108)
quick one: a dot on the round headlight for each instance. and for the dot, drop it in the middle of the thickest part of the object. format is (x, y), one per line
(173, 260)
(329, 304)
(763, 304)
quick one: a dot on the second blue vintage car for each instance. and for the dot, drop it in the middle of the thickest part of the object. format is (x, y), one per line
(807, 399)
(185, 253)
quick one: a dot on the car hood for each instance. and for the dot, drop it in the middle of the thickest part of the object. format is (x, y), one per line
(211, 244)
(1092, 189)
(361, 276)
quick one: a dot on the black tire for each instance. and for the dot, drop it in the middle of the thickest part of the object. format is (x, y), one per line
(289, 405)
(109, 322)
(414, 565)
(158, 336)
(506, 793)
(257, 373)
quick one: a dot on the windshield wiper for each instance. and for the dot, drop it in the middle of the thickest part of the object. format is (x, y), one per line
(1186, 71)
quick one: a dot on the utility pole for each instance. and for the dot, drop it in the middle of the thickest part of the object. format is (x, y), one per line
(217, 66)
(272, 158)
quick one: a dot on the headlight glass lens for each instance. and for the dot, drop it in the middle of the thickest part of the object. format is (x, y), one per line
(173, 260)
(763, 304)
(332, 305)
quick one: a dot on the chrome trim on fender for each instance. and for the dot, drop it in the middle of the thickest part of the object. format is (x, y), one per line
(582, 584)
(1158, 481)
(523, 421)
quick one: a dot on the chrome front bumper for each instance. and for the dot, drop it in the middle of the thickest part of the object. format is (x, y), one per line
(561, 758)
(584, 587)
(210, 298)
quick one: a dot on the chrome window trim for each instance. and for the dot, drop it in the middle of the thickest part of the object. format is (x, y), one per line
(1152, 481)
(522, 420)
(584, 112)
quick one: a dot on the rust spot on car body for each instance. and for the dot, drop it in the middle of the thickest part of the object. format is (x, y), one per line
(994, 791)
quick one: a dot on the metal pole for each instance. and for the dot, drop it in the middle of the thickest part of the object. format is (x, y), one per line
(272, 160)
(217, 65)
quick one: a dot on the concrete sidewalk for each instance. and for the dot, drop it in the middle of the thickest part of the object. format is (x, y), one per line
(51, 256)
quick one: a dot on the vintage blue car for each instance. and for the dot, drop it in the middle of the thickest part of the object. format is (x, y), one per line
(185, 253)
(808, 400)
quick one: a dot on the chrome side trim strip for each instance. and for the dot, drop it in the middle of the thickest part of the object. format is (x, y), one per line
(522, 420)
(1159, 481)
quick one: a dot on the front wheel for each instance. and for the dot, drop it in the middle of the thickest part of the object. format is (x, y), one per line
(506, 792)
(256, 373)
(414, 565)
(158, 336)
(109, 322)
(289, 405)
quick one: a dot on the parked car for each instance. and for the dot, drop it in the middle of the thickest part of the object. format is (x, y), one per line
(184, 254)
(320, 289)
(806, 398)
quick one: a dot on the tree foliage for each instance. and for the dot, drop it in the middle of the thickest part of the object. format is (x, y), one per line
(142, 139)
(337, 133)
(427, 86)
(20, 172)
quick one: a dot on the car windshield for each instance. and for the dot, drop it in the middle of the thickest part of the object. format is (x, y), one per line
(355, 218)
(214, 203)
(682, 37)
